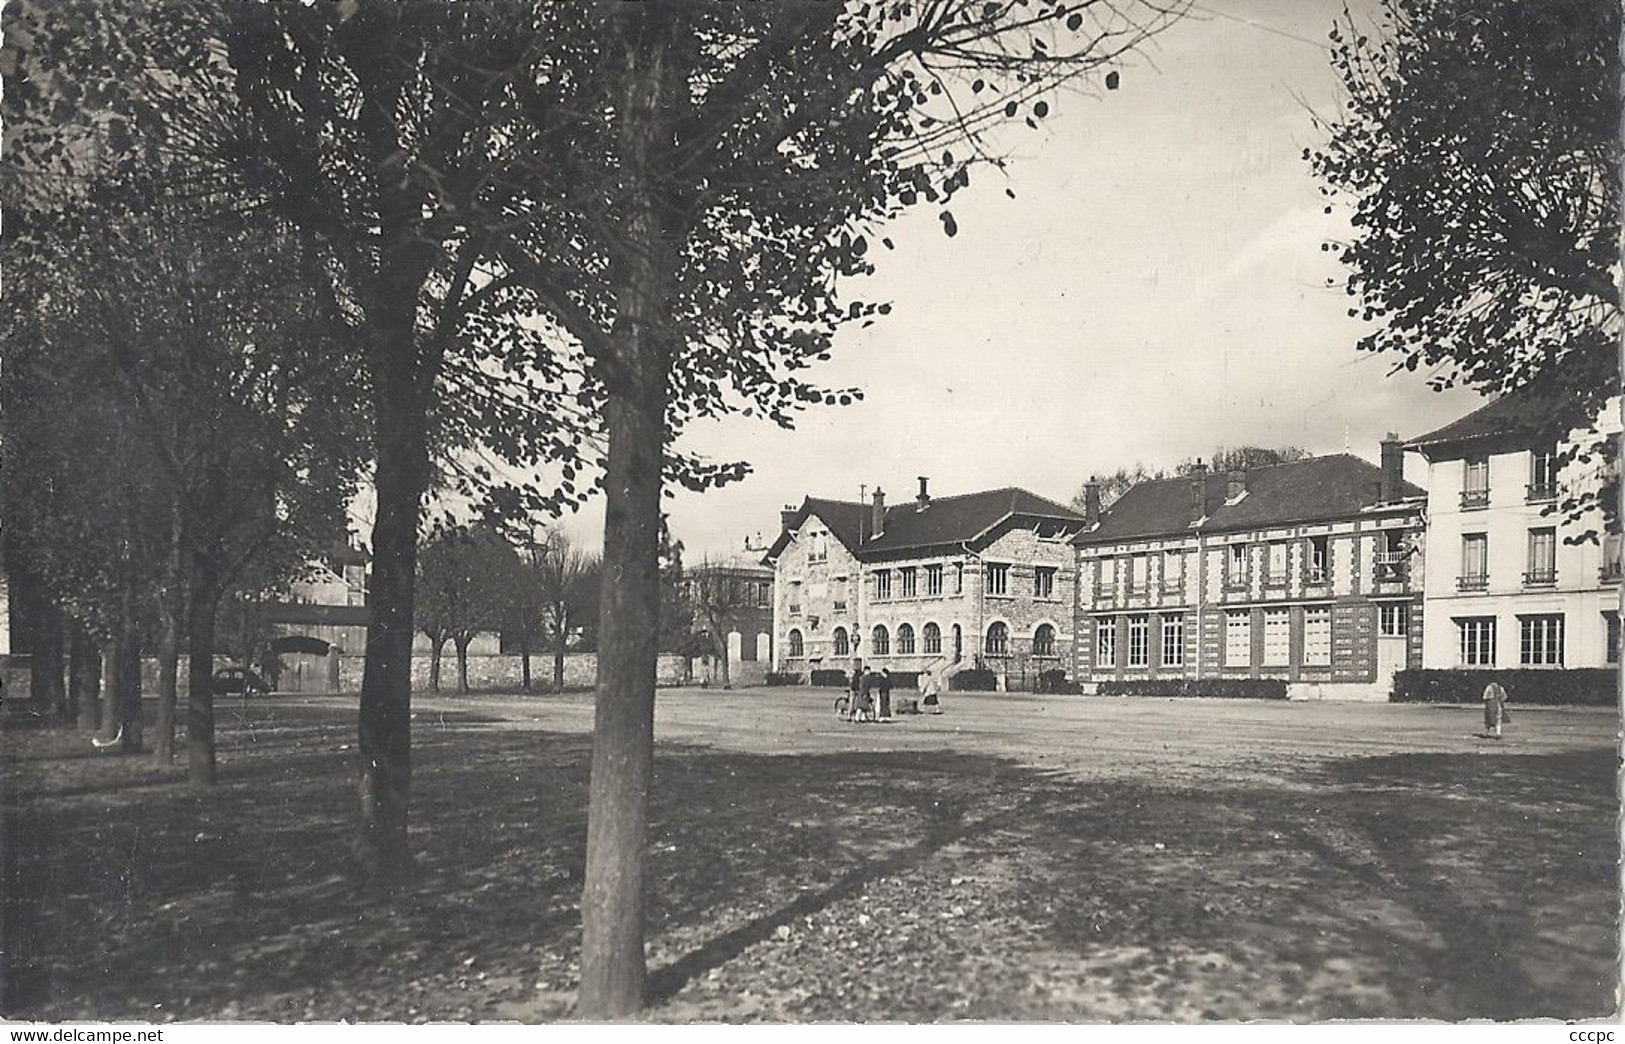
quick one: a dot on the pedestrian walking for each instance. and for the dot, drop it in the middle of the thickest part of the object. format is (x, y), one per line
(855, 691)
(930, 687)
(1495, 709)
(885, 694)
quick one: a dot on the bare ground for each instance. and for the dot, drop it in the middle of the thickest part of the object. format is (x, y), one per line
(1017, 858)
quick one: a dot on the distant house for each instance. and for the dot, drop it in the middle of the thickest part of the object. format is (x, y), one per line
(1308, 572)
(1505, 586)
(739, 589)
(323, 619)
(978, 578)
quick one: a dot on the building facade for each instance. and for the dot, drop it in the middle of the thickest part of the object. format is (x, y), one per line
(1512, 582)
(980, 579)
(1309, 572)
(733, 595)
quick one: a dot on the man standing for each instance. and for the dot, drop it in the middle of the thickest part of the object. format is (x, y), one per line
(1495, 709)
(885, 694)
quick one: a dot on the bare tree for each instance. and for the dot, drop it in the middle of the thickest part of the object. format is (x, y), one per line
(567, 580)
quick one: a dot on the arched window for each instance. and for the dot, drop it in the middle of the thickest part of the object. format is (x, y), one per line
(932, 636)
(793, 641)
(905, 639)
(842, 646)
(1044, 641)
(880, 643)
(998, 640)
(959, 643)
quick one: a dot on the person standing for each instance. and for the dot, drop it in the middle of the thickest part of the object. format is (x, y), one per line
(930, 688)
(1495, 709)
(885, 694)
(856, 693)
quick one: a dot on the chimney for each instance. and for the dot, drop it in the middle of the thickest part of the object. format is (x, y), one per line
(1236, 486)
(1198, 480)
(878, 522)
(922, 500)
(1091, 501)
(1393, 468)
(787, 515)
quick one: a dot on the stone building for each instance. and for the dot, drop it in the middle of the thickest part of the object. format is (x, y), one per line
(1308, 572)
(1505, 586)
(980, 578)
(738, 590)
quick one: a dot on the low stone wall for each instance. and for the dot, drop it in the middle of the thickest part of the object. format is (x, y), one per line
(484, 673)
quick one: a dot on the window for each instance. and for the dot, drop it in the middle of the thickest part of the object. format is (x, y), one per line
(1475, 483)
(1275, 569)
(932, 638)
(1610, 557)
(1542, 558)
(764, 594)
(1476, 641)
(1173, 571)
(1393, 620)
(905, 639)
(839, 586)
(1044, 641)
(1610, 623)
(880, 641)
(1105, 643)
(1277, 637)
(1138, 568)
(1044, 582)
(794, 599)
(1235, 565)
(933, 580)
(1319, 558)
(841, 644)
(882, 584)
(1108, 575)
(998, 579)
(959, 578)
(959, 643)
(998, 640)
(908, 575)
(819, 550)
(1475, 562)
(793, 642)
(1391, 559)
(1139, 641)
(1543, 474)
(1238, 638)
(1317, 636)
(1173, 640)
(1540, 640)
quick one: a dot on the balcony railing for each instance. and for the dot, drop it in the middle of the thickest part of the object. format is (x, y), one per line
(1609, 573)
(1477, 582)
(1317, 575)
(1475, 498)
(1173, 586)
(1540, 577)
(1540, 492)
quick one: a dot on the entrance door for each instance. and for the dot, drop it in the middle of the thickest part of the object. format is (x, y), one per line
(959, 643)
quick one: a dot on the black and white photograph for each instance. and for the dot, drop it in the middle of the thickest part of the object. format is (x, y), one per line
(1096, 513)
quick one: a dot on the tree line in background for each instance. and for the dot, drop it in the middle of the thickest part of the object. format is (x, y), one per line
(507, 252)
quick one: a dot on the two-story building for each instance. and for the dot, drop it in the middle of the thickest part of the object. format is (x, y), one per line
(1512, 581)
(734, 595)
(980, 578)
(1308, 572)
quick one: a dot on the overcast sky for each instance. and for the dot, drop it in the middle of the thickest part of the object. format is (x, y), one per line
(1156, 288)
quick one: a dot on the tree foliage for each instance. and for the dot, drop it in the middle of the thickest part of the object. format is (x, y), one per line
(1479, 152)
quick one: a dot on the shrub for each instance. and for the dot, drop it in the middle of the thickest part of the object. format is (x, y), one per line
(783, 678)
(1055, 680)
(1219, 688)
(1582, 686)
(974, 679)
(905, 679)
(836, 678)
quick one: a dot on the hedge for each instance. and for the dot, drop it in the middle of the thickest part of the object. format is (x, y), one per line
(835, 678)
(783, 678)
(974, 679)
(1055, 680)
(1583, 686)
(1222, 688)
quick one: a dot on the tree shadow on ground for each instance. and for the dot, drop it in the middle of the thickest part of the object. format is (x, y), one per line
(908, 886)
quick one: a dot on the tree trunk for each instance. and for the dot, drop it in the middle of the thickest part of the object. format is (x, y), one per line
(109, 689)
(202, 603)
(461, 644)
(524, 662)
(84, 677)
(129, 676)
(612, 951)
(385, 725)
(46, 662)
(435, 648)
(558, 663)
(169, 643)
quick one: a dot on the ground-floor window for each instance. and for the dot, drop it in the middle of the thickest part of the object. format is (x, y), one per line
(1540, 640)
(1610, 622)
(1393, 620)
(1277, 637)
(1173, 640)
(1139, 641)
(1475, 637)
(998, 640)
(1106, 643)
(1044, 640)
(905, 639)
(792, 642)
(932, 638)
(1238, 638)
(880, 641)
(1317, 636)
(841, 644)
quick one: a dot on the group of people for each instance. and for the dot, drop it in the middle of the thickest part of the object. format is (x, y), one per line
(869, 698)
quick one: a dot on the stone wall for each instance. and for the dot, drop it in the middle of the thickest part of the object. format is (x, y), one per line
(484, 673)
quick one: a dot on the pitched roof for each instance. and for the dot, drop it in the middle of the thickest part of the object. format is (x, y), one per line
(1540, 410)
(946, 520)
(1312, 490)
